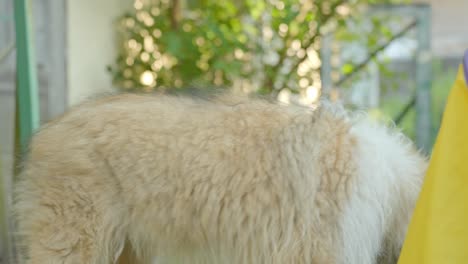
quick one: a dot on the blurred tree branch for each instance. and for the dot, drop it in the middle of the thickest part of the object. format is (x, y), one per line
(307, 43)
(175, 14)
(398, 118)
(375, 52)
(321, 22)
(6, 51)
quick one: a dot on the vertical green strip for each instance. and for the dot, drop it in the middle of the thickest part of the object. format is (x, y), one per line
(424, 80)
(27, 105)
(26, 91)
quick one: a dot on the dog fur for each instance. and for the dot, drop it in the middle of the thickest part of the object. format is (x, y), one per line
(186, 180)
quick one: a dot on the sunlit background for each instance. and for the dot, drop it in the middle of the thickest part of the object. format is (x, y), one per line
(396, 59)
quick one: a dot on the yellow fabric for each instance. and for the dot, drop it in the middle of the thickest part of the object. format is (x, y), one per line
(438, 232)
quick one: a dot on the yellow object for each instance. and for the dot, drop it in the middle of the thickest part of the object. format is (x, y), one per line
(438, 233)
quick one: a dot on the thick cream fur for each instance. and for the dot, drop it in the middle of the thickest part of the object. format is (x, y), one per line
(234, 181)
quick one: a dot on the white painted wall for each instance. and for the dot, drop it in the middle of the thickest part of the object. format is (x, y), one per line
(91, 45)
(449, 27)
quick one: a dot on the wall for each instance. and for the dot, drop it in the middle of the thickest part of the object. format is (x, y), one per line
(91, 45)
(449, 27)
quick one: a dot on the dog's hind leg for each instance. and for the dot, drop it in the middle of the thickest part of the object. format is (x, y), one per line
(65, 220)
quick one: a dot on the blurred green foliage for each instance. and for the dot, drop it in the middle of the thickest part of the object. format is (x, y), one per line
(443, 80)
(255, 45)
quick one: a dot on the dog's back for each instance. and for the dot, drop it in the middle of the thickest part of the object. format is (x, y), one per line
(213, 181)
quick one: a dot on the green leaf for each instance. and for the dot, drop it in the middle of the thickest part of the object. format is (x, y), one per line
(347, 68)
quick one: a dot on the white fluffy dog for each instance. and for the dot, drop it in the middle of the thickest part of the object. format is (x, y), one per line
(214, 181)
